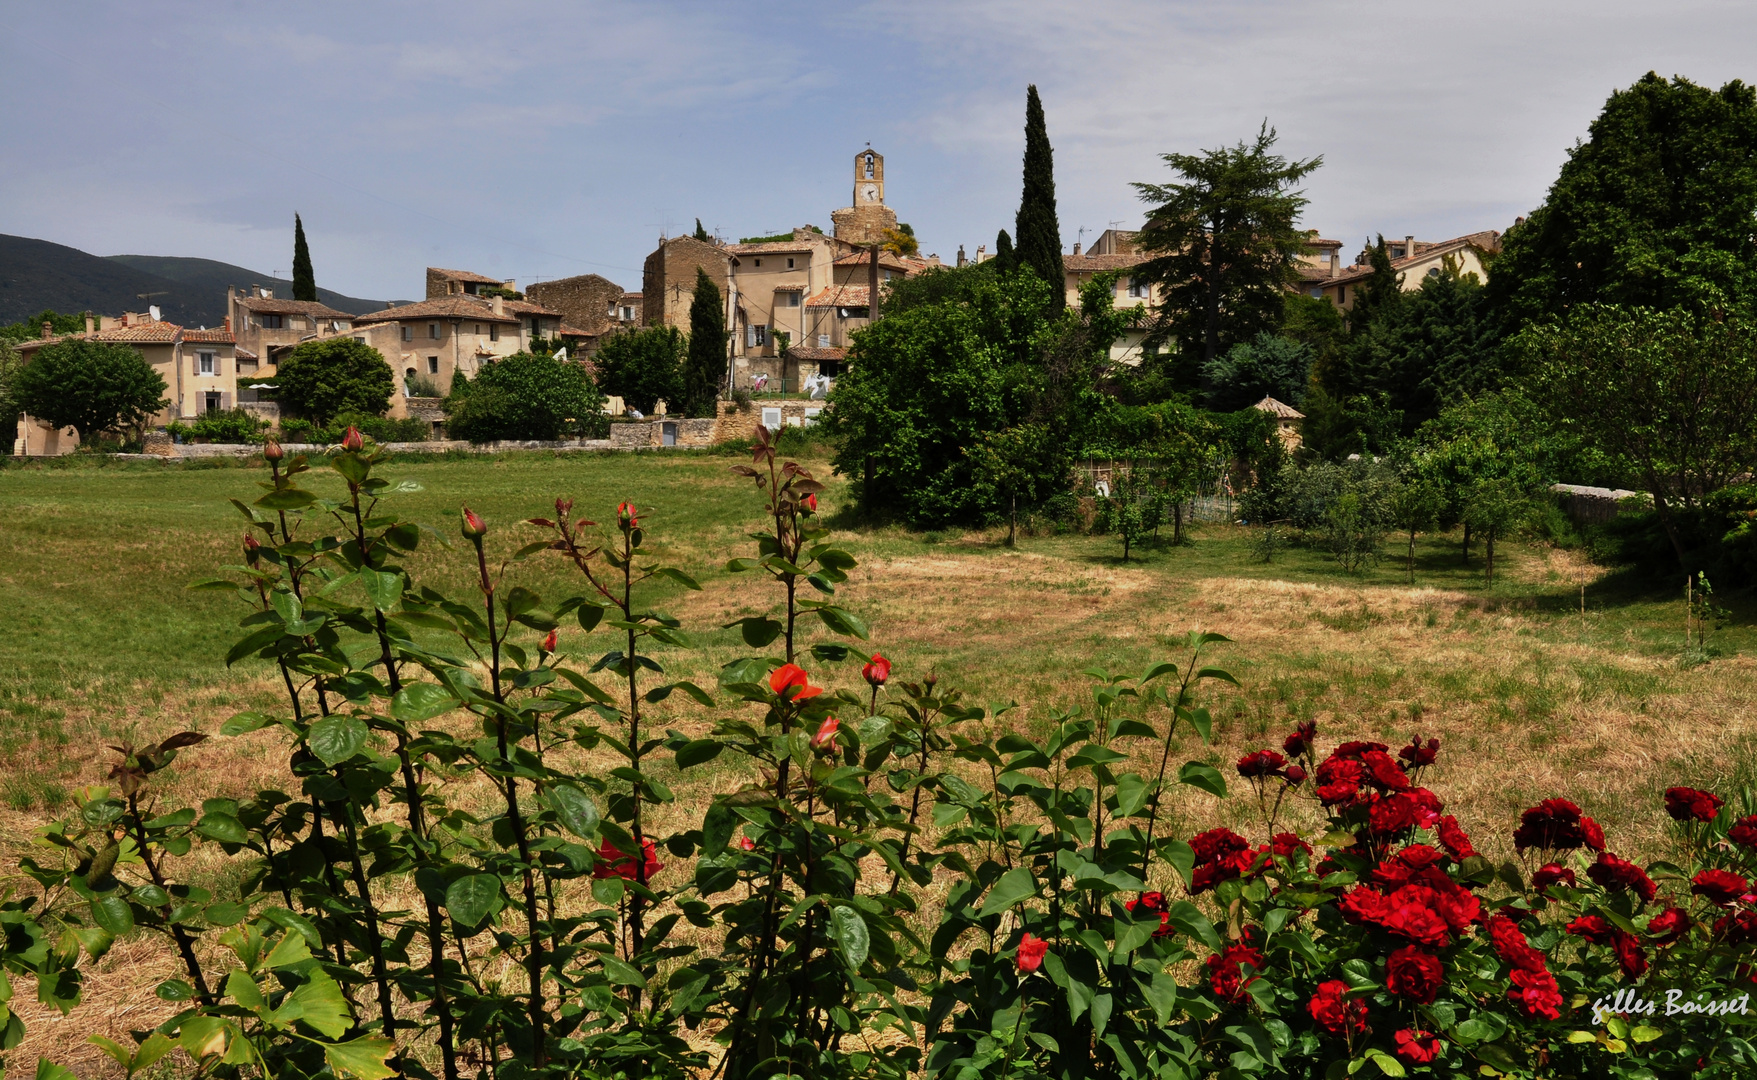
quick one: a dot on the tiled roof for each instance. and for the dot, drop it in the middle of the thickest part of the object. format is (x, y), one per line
(1276, 408)
(1092, 264)
(790, 288)
(291, 307)
(526, 307)
(1488, 240)
(217, 336)
(463, 275)
(158, 333)
(887, 260)
(458, 306)
(771, 247)
(839, 296)
(813, 352)
(244, 354)
(569, 330)
(627, 296)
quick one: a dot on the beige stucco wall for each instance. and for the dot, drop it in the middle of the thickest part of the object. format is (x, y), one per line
(472, 345)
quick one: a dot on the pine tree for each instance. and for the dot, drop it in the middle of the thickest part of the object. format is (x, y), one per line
(304, 281)
(1037, 234)
(706, 363)
(701, 233)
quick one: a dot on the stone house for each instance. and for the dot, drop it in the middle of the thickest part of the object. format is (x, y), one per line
(200, 370)
(1413, 260)
(1287, 421)
(442, 282)
(589, 304)
(265, 326)
(668, 280)
(435, 339)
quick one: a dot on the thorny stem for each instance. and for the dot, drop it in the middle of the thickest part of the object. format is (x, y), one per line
(375, 944)
(914, 798)
(1164, 761)
(184, 945)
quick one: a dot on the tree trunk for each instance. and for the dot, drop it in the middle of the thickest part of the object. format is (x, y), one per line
(1467, 543)
(1489, 555)
(1211, 344)
(1412, 556)
(1013, 522)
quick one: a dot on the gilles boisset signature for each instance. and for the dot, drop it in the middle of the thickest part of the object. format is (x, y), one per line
(1628, 1003)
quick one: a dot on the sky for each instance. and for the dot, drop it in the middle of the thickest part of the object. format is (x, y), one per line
(536, 140)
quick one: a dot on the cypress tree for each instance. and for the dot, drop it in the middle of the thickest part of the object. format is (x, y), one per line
(701, 233)
(706, 361)
(1006, 260)
(1037, 234)
(304, 281)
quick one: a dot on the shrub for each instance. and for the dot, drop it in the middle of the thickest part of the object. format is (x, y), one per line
(642, 367)
(526, 397)
(93, 387)
(321, 379)
(225, 426)
(379, 428)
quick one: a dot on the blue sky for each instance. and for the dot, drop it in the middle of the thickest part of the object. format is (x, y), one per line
(538, 140)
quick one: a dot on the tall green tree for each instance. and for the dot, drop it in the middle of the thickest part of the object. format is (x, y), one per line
(706, 365)
(1671, 393)
(90, 386)
(10, 366)
(701, 233)
(1035, 231)
(1268, 365)
(321, 379)
(1381, 289)
(526, 396)
(304, 280)
(1226, 244)
(1006, 259)
(1654, 209)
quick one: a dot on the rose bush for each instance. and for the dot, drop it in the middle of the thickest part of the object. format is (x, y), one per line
(892, 883)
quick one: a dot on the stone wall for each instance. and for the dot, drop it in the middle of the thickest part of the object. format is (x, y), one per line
(734, 424)
(668, 279)
(584, 301)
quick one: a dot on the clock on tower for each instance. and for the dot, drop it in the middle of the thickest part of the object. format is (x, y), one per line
(869, 178)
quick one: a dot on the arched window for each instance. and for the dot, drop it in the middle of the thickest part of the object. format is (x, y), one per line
(869, 165)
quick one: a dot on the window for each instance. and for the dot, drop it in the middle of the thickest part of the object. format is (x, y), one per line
(478, 329)
(789, 264)
(433, 331)
(361, 338)
(887, 275)
(493, 331)
(1140, 288)
(870, 161)
(823, 341)
(433, 365)
(408, 333)
(1433, 271)
(792, 300)
(273, 322)
(756, 335)
(1317, 292)
(628, 313)
(1342, 294)
(756, 262)
(408, 373)
(1395, 251)
(206, 364)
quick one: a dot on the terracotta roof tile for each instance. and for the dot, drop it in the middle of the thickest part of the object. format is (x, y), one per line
(772, 247)
(217, 336)
(442, 307)
(463, 275)
(290, 307)
(839, 296)
(1276, 408)
(158, 333)
(1092, 264)
(887, 260)
(814, 352)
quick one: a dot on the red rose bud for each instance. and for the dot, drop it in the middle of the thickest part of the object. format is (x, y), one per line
(548, 645)
(809, 503)
(272, 450)
(352, 439)
(746, 843)
(251, 547)
(1295, 775)
(1031, 950)
(826, 733)
(877, 670)
(626, 516)
(1261, 763)
(474, 527)
(1744, 832)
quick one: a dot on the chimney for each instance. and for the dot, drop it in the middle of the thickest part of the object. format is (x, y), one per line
(90, 327)
(1076, 247)
(960, 254)
(48, 330)
(1408, 246)
(228, 324)
(1335, 262)
(500, 305)
(126, 315)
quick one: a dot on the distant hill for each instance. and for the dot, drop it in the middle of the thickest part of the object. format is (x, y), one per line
(209, 275)
(37, 274)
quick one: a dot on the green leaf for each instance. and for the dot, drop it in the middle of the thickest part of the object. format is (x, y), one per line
(757, 631)
(286, 499)
(696, 693)
(321, 1005)
(1188, 918)
(156, 1046)
(678, 576)
(245, 722)
(1206, 777)
(850, 932)
(113, 914)
(422, 701)
(121, 1055)
(1093, 754)
(696, 751)
(608, 891)
(844, 622)
(240, 987)
(257, 640)
(1015, 885)
(383, 587)
(223, 827)
(226, 914)
(623, 974)
(718, 825)
(290, 950)
(363, 1058)
(1641, 1033)
(335, 739)
(48, 1070)
(473, 898)
(1387, 1064)
(174, 990)
(577, 811)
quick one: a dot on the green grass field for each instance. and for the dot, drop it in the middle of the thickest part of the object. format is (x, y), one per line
(104, 640)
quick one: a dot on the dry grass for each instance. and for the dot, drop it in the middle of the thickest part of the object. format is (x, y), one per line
(1529, 697)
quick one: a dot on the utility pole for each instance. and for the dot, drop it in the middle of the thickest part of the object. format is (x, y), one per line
(872, 283)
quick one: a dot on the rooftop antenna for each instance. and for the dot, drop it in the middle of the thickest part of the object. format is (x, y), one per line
(1081, 234)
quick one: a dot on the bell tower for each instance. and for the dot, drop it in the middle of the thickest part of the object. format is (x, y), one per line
(869, 178)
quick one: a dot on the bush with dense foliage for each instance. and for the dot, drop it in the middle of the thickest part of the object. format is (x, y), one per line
(91, 386)
(526, 397)
(384, 429)
(221, 426)
(642, 367)
(320, 380)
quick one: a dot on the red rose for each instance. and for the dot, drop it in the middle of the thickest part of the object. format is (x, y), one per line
(1295, 775)
(1031, 950)
(876, 671)
(1744, 832)
(1719, 887)
(1553, 825)
(1260, 764)
(549, 642)
(1355, 750)
(1383, 771)
(793, 677)
(746, 843)
(826, 733)
(1415, 974)
(1510, 944)
(1413, 917)
(809, 503)
(627, 516)
(1334, 1012)
(1226, 975)
(1391, 815)
(613, 862)
(1458, 907)
(1537, 994)
(1553, 874)
(1217, 844)
(1591, 834)
(1415, 755)
(1285, 844)
(1689, 804)
(1740, 929)
(1334, 771)
(1629, 955)
(1300, 742)
(1152, 903)
(271, 450)
(1454, 839)
(1670, 924)
(1611, 872)
(1417, 1047)
(1364, 904)
(1591, 927)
